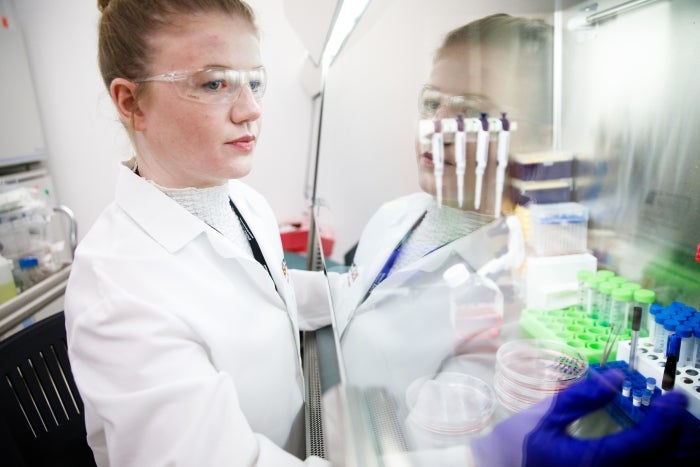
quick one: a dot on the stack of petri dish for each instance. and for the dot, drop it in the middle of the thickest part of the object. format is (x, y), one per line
(529, 370)
(450, 403)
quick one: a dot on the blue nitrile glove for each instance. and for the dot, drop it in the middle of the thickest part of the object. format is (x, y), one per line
(537, 437)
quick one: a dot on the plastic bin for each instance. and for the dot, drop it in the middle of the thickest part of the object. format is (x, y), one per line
(541, 166)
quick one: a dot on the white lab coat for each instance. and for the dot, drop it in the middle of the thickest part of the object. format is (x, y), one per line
(183, 351)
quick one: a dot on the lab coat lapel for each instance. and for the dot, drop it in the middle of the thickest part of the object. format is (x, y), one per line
(384, 248)
(270, 245)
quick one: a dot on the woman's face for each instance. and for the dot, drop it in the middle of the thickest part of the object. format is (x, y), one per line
(490, 83)
(183, 143)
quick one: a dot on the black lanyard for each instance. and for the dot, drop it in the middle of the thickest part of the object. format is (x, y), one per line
(254, 246)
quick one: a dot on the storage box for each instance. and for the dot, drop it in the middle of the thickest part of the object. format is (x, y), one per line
(547, 165)
(558, 229)
(541, 192)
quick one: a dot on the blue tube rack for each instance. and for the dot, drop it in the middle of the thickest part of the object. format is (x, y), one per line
(622, 409)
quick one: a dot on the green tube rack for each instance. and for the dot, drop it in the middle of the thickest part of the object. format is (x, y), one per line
(574, 327)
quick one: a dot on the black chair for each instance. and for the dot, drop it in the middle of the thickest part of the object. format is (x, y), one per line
(41, 414)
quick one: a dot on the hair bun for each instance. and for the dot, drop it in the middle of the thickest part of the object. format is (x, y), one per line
(102, 4)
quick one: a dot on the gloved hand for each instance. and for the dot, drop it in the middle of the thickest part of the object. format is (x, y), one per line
(537, 437)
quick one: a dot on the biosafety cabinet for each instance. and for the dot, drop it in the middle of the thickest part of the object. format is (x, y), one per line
(599, 189)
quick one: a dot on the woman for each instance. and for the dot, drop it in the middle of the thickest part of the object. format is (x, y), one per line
(181, 315)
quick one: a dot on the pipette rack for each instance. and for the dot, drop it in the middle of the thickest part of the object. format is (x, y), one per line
(426, 127)
(574, 327)
(622, 409)
(651, 363)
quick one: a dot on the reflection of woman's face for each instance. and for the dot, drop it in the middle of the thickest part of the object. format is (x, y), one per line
(489, 78)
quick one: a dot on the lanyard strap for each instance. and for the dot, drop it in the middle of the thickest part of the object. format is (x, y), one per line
(254, 246)
(384, 272)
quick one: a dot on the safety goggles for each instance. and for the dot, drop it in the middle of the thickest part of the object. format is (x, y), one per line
(214, 85)
(431, 101)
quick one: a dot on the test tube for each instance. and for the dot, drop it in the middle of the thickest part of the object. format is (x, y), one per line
(670, 326)
(637, 397)
(605, 274)
(592, 297)
(620, 304)
(685, 357)
(584, 277)
(696, 333)
(604, 302)
(646, 397)
(659, 336)
(636, 323)
(651, 384)
(644, 298)
(626, 388)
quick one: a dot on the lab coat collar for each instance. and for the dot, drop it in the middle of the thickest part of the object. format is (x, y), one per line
(170, 224)
(160, 216)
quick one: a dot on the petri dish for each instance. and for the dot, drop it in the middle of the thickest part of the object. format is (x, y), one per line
(450, 403)
(530, 370)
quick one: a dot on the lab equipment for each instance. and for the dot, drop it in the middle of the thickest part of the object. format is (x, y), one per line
(610, 343)
(644, 298)
(696, 333)
(438, 159)
(457, 130)
(530, 370)
(626, 387)
(672, 351)
(460, 158)
(544, 425)
(476, 305)
(559, 228)
(636, 325)
(659, 336)
(7, 282)
(482, 152)
(685, 356)
(637, 397)
(502, 161)
(605, 301)
(670, 326)
(450, 403)
(620, 306)
(584, 277)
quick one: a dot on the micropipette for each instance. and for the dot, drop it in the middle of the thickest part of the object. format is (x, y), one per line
(503, 148)
(482, 151)
(460, 158)
(636, 324)
(438, 159)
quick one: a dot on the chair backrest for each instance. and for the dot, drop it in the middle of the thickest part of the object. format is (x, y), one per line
(41, 413)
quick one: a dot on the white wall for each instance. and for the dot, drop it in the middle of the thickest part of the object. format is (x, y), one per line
(84, 139)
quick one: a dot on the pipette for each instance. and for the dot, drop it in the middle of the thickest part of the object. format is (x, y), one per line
(482, 151)
(460, 158)
(636, 324)
(502, 157)
(438, 159)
